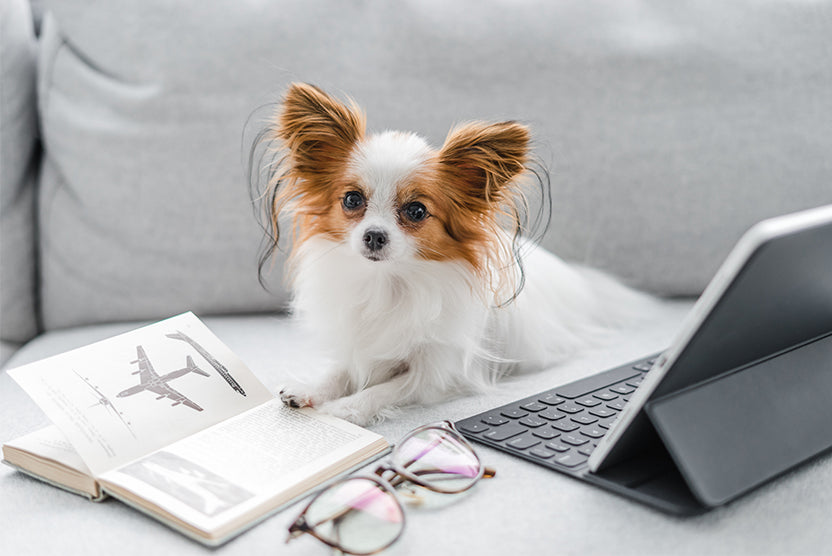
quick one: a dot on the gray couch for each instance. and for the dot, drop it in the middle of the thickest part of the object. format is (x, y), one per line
(668, 129)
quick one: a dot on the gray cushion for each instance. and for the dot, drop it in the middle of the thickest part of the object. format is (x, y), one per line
(525, 510)
(144, 204)
(668, 129)
(18, 156)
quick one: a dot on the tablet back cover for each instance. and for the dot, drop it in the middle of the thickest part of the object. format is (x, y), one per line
(733, 433)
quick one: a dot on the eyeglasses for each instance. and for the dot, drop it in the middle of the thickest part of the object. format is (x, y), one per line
(362, 515)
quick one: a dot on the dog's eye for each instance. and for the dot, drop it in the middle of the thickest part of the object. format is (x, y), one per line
(353, 200)
(415, 212)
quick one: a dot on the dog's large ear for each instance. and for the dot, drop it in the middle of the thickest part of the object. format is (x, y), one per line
(484, 158)
(317, 130)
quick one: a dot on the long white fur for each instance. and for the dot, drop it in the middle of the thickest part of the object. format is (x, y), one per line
(406, 330)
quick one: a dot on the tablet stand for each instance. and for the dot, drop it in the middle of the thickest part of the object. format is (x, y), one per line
(715, 440)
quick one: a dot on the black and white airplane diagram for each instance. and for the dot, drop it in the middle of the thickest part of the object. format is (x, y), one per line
(221, 369)
(151, 381)
(107, 403)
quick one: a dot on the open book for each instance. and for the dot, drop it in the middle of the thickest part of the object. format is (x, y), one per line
(168, 420)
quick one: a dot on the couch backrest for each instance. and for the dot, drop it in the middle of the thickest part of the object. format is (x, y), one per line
(668, 128)
(19, 155)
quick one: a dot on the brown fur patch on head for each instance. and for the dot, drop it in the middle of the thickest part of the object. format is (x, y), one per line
(438, 237)
(318, 134)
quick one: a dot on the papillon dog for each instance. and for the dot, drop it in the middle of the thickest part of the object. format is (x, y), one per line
(408, 263)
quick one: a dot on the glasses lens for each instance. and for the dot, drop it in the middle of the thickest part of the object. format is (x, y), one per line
(358, 515)
(439, 459)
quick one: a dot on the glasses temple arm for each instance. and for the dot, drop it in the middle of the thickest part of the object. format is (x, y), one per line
(488, 472)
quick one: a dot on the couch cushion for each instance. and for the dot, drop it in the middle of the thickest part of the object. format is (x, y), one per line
(144, 204)
(540, 511)
(668, 129)
(18, 156)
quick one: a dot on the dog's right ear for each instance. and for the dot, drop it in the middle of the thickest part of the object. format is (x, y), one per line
(317, 130)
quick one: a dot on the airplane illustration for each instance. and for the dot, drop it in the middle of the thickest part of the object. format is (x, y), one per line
(106, 402)
(151, 381)
(220, 368)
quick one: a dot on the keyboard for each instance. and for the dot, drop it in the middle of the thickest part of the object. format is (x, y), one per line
(559, 428)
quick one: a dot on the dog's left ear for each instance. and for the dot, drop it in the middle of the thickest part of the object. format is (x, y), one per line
(484, 158)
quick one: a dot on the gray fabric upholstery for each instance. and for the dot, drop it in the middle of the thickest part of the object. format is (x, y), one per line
(542, 512)
(18, 157)
(144, 204)
(668, 129)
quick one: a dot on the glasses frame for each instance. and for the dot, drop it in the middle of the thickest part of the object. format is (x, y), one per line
(400, 474)
(300, 526)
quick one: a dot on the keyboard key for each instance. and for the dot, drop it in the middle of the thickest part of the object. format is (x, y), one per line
(551, 399)
(514, 413)
(606, 396)
(622, 389)
(585, 419)
(570, 408)
(571, 459)
(546, 433)
(592, 383)
(523, 442)
(573, 440)
(532, 421)
(505, 432)
(586, 450)
(557, 446)
(635, 383)
(541, 452)
(588, 401)
(474, 427)
(617, 405)
(551, 414)
(593, 432)
(565, 425)
(533, 406)
(603, 412)
(642, 366)
(495, 420)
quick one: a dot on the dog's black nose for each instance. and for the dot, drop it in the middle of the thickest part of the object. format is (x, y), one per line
(375, 239)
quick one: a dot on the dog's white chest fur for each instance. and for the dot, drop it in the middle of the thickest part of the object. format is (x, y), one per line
(375, 318)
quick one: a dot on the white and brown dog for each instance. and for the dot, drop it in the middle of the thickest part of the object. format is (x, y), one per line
(405, 260)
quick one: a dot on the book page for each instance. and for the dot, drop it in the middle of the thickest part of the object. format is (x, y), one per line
(218, 475)
(133, 394)
(50, 443)
(47, 455)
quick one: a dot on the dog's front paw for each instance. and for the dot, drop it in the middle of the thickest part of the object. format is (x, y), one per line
(359, 410)
(349, 410)
(295, 396)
